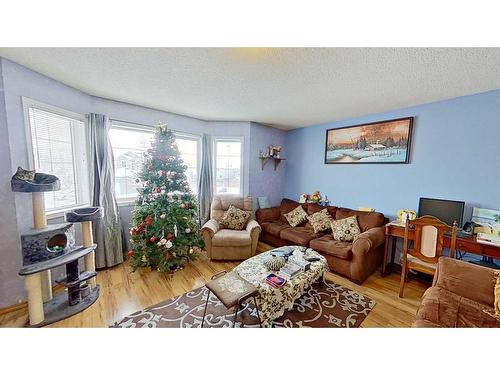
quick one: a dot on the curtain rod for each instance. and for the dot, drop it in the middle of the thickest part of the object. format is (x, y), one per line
(131, 122)
(196, 135)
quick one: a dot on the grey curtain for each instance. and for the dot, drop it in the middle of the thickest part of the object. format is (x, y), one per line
(107, 231)
(206, 182)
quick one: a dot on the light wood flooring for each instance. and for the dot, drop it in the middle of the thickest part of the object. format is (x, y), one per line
(124, 292)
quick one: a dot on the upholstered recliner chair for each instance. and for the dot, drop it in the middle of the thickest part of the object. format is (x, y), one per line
(229, 244)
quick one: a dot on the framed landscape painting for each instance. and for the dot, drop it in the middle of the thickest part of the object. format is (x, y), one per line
(385, 142)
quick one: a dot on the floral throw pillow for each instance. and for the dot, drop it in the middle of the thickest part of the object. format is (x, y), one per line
(296, 217)
(345, 229)
(234, 218)
(320, 221)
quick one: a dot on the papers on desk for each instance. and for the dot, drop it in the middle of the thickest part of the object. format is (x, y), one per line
(397, 223)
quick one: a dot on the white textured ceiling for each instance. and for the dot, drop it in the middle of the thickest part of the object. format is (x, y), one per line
(284, 87)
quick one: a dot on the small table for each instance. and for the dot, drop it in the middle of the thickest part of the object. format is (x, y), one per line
(272, 302)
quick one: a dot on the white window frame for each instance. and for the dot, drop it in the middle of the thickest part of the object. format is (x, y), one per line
(197, 138)
(80, 178)
(214, 161)
(122, 124)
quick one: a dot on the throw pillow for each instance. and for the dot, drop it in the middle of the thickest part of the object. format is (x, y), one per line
(234, 218)
(345, 229)
(296, 216)
(320, 221)
(496, 311)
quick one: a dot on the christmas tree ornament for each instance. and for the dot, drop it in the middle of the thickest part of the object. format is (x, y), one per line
(163, 216)
(188, 230)
(169, 244)
(175, 230)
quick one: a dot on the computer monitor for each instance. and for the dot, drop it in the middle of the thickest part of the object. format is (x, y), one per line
(445, 210)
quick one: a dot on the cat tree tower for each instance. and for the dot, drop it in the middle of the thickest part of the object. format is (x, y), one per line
(48, 246)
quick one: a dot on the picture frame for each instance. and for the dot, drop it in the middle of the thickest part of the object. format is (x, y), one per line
(381, 142)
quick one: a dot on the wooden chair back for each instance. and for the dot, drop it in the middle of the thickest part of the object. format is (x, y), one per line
(428, 238)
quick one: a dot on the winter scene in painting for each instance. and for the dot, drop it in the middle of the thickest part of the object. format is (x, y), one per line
(383, 142)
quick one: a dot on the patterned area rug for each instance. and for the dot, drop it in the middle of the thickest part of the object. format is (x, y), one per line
(322, 305)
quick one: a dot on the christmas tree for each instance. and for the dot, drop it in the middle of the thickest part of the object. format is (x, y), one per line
(165, 233)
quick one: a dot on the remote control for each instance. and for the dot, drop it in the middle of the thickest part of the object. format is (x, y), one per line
(312, 259)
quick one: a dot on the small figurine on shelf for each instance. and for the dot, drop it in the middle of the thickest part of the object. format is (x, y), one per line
(316, 196)
(325, 201)
(274, 151)
(303, 198)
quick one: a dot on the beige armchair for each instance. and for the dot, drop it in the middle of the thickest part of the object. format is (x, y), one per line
(228, 244)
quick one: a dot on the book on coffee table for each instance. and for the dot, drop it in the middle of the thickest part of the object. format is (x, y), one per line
(290, 270)
(275, 280)
(303, 264)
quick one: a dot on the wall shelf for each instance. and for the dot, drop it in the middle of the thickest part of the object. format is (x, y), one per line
(265, 159)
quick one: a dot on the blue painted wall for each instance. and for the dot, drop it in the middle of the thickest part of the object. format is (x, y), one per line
(266, 182)
(455, 155)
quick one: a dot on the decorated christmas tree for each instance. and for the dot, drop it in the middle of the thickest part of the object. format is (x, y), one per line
(165, 233)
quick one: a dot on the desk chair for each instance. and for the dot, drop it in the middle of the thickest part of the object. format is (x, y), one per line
(427, 246)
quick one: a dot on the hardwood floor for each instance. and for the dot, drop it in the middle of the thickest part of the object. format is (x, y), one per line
(124, 292)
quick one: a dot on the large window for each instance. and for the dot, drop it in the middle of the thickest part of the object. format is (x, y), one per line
(58, 146)
(129, 142)
(228, 158)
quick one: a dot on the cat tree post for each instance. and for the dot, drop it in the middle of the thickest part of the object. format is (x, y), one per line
(85, 216)
(40, 222)
(33, 286)
(88, 241)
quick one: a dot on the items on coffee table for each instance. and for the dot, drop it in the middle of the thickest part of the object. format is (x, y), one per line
(232, 290)
(273, 301)
(302, 263)
(275, 280)
(275, 263)
(290, 270)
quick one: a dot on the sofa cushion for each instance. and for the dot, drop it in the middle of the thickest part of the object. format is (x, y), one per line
(320, 221)
(442, 308)
(366, 220)
(229, 237)
(298, 235)
(274, 227)
(286, 206)
(234, 218)
(328, 245)
(345, 229)
(296, 217)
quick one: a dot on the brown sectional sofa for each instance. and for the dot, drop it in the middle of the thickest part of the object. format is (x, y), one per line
(356, 260)
(459, 295)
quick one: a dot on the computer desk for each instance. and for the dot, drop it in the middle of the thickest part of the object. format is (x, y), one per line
(467, 244)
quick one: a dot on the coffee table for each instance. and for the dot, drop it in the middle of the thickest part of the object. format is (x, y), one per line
(272, 302)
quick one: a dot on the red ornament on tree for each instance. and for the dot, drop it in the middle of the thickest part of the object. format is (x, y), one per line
(170, 236)
(153, 239)
(130, 253)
